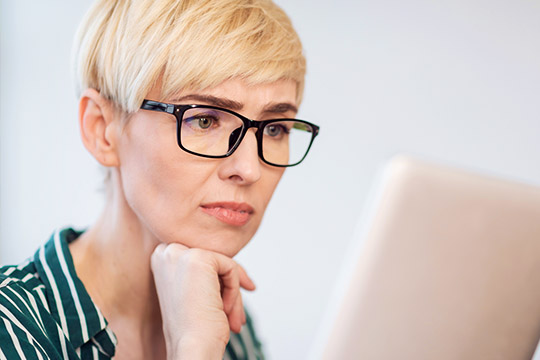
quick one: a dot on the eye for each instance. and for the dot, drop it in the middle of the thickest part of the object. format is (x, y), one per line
(201, 122)
(274, 130)
(205, 122)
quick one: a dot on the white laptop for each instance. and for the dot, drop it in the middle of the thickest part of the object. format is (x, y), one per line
(447, 267)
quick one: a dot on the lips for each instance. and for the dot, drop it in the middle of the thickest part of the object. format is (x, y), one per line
(231, 213)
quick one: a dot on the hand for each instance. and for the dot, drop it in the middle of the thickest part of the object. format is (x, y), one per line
(200, 300)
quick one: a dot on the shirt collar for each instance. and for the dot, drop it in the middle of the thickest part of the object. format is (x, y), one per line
(69, 302)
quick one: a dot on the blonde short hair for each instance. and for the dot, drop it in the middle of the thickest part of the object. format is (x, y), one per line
(124, 48)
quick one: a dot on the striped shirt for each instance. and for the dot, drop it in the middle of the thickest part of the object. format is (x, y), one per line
(46, 312)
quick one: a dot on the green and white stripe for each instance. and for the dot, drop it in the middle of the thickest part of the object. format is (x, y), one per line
(46, 313)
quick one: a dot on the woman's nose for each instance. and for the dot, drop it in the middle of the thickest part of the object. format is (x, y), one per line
(243, 166)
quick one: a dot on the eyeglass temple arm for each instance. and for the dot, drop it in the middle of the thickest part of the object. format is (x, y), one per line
(157, 106)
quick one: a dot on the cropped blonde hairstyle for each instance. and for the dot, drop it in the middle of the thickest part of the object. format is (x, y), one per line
(124, 48)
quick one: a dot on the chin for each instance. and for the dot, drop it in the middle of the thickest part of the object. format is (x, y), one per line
(226, 240)
(226, 244)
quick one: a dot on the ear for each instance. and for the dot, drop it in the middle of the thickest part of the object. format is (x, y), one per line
(98, 127)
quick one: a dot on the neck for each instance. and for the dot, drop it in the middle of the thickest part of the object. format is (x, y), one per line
(112, 259)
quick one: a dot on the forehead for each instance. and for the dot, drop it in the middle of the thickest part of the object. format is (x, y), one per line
(237, 94)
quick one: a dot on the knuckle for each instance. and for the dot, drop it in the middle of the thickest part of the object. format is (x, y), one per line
(195, 259)
(157, 253)
(193, 256)
(169, 252)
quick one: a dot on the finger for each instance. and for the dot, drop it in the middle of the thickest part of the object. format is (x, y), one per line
(229, 281)
(243, 312)
(245, 280)
(229, 297)
(236, 316)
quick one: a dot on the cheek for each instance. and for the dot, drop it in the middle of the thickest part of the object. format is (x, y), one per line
(164, 186)
(146, 154)
(270, 178)
(153, 174)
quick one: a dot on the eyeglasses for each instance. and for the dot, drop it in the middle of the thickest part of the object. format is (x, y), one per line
(214, 132)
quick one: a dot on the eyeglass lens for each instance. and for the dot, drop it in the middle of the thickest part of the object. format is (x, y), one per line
(214, 132)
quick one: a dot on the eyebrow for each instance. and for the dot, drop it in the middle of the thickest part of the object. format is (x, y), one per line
(280, 108)
(272, 108)
(212, 100)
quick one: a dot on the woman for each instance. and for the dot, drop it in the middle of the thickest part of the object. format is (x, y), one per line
(167, 90)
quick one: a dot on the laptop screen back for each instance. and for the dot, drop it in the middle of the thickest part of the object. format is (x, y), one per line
(448, 269)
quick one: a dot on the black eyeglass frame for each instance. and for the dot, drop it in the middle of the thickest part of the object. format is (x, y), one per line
(179, 110)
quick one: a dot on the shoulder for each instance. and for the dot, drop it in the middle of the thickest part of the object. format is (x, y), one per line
(19, 283)
(24, 274)
(17, 302)
(45, 311)
(21, 288)
(24, 320)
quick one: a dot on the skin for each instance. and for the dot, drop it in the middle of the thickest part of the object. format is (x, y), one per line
(159, 268)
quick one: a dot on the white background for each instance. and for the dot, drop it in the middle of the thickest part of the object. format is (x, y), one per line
(456, 81)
